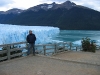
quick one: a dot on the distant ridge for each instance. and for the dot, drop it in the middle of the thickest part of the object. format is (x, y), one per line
(66, 15)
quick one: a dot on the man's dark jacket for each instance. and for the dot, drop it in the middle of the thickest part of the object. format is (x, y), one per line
(31, 38)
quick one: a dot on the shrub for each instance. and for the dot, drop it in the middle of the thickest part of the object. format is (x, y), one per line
(88, 45)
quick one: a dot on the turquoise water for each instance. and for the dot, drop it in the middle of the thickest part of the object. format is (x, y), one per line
(76, 36)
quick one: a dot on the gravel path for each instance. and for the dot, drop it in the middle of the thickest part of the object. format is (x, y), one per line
(39, 65)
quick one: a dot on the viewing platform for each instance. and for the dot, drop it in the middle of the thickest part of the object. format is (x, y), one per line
(67, 63)
(63, 61)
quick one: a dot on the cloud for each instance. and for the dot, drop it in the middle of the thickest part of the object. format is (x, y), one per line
(25, 4)
(94, 4)
(21, 4)
(5, 2)
(51, 1)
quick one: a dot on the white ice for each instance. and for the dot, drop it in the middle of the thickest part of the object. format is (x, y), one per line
(17, 33)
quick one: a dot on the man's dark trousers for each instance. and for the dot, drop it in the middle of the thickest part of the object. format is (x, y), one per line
(31, 45)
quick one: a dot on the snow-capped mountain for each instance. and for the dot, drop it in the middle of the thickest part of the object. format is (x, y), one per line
(42, 6)
(68, 5)
(45, 6)
(66, 15)
(14, 11)
(1, 12)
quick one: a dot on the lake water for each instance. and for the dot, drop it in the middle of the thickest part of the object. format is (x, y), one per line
(76, 36)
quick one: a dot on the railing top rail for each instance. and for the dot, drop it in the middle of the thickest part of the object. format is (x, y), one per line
(17, 43)
(64, 42)
(12, 44)
(4, 45)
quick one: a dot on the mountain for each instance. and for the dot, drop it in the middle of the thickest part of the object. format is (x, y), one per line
(12, 11)
(10, 14)
(45, 6)
(66, 15)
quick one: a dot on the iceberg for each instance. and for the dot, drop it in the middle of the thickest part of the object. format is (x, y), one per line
(17, 33)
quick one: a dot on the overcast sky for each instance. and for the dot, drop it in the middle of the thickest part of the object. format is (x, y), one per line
(24, 4)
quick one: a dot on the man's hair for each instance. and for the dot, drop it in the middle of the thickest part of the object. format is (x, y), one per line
(30, 30)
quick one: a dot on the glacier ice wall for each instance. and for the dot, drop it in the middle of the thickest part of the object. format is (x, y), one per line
(16, 33)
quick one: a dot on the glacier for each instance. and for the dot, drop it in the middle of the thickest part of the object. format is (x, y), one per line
(17, 33)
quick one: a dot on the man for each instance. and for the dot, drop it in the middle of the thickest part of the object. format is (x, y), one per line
(31, 38)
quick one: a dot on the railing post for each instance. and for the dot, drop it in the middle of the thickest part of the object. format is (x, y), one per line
(80, 48)
(76, 48)
(63, 46)
(55, 51)
(44, 47)
(8, 52)
(70, 45)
